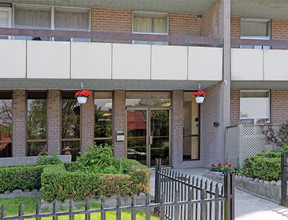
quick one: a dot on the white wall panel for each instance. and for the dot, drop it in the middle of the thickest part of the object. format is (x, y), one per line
(246, 64)
(12, 59)
(131, 61)
(91, 60)
(205, 63)
(169, 62)
(48, 59)
(275, 64)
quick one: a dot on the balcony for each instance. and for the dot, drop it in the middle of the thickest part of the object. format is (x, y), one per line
(20, 59)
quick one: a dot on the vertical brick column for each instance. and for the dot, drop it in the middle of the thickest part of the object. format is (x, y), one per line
(54, 114)
(177, 128)
(19, 123)
(118, 121)
(87, 124)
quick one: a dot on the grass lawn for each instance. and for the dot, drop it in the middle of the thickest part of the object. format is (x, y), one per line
(12, 207)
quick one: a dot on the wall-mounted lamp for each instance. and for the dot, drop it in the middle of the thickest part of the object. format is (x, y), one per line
(216, 124)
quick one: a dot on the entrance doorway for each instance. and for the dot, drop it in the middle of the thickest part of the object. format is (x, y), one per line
(148, 135)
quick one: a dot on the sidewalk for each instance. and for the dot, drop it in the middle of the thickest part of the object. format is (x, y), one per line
(247, 207)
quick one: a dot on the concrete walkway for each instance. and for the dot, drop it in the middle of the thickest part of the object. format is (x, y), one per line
(247, 207)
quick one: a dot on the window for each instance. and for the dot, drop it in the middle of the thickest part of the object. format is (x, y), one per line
(34, 18)
(103, 118)
(255, 29)
(70, 125)
(36, 123)
(5, 124)
(45, 17)
(5, 19)
(150, 23)
(191, 123)
(254, 107)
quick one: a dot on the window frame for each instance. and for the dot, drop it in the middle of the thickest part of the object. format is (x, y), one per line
(251, 91)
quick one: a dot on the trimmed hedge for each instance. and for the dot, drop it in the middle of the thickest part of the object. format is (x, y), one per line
(61, 184)
(266, 166)
(20, 177)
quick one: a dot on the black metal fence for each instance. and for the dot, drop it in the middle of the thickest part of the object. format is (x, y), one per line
(200, 199)
(284, 179)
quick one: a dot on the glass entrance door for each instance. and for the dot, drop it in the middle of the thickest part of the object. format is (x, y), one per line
(148, 135)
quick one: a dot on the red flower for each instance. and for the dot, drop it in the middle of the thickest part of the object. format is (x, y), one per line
(213, 165)
(219, 164)
(230, 165)
(201, 93)
(85, 93)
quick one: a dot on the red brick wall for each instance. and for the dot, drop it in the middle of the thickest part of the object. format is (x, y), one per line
(211, 21)
(87, 124)
(279, 29)
(279, 104)
(234, 107)
(235, 27)
(19, 123)
(111, 20)
(54, 115)
(118, 120)
(185, 25)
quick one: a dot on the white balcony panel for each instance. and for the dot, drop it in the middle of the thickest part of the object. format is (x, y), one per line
(169, 63)
(91, 61)
(246, 64)
(48, 60)
(276, 65)
(12, 59)
(131, 61)
(205, 63)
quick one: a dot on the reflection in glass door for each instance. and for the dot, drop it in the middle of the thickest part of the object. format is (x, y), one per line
(137, 135)
(148, 135)
(159, 136)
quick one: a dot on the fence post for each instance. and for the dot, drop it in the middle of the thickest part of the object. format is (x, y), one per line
(229, 193)
(157, 180)
(284, 179)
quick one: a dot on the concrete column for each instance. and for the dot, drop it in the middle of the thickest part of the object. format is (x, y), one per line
(119, 121)
(177, 128)
(19, 114)
(54, 115)
(87, 124)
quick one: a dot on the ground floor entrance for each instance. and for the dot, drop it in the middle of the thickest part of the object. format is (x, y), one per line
(148, 133)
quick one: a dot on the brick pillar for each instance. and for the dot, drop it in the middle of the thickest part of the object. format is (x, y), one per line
(54, 114)
(87, 124)
(118, 121)
(177, 128)
(19, 123)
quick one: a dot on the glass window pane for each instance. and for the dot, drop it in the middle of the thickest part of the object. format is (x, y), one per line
(6, 124)
(103, 114)
(157, 99)
(103, 142)
(150, 22)
(254, 107)
(36, 116)
(190, 128)
(36, 148)
(70, 116)
(4, 18)
(254, 28)
(71, 148)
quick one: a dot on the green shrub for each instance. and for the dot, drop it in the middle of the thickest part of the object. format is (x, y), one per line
(46, 160)
(270, 154)
(57, 183)
(20, 177)
(266, 168)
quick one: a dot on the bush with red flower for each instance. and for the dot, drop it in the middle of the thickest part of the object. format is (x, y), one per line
(221, 168)
(201, 93)
(83, 93)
